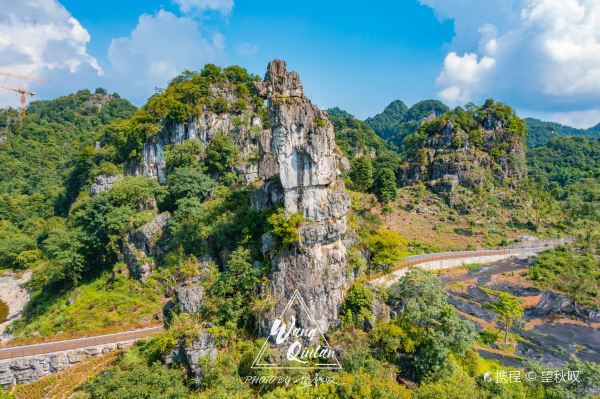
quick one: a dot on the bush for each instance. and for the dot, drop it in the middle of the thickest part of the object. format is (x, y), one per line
(190, 182)
(221, 154)
(387, 248)
(185, 154)
(356, 308)
(138, 381)
(285, 227)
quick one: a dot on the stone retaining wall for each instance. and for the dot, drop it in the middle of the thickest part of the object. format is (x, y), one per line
(28, 369)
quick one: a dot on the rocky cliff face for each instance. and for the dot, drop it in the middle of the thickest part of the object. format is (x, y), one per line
(244, 127)
(142, 245)
(299, 162)
(470, 150)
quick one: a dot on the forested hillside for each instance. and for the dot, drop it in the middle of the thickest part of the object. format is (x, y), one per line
(540, 132)
(398, 121)
(44, 162)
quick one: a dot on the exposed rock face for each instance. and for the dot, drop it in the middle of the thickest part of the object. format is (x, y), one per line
(299, 162)
(143, 244)
(103, 183)
(244, 128)
(190, 355)
(190, 297)
(489, 152)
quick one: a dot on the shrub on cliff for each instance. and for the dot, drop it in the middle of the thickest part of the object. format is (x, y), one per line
(221, 154)
(285, 227)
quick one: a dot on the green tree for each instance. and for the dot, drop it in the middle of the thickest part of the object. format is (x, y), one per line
(12, 243)
(508, 308)
(185, 154)
(387, 248)
(361, 174)
(385, 185)
(190, 182)
(431, 322)
(64, 247)
(356, 308)
(229, 297)
(221, 154)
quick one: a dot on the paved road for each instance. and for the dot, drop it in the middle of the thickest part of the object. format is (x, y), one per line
(76, 343)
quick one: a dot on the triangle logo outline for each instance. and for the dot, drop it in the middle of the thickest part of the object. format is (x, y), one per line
(261, 365)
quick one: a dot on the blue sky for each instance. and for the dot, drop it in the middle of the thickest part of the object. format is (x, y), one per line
(359, 59)
(541, 56)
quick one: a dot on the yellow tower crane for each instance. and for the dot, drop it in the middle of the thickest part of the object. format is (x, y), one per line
(21, 91)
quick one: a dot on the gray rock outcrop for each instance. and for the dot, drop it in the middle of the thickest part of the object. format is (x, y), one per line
(190, 356)
(300, 164)
(190, 297)
(103, 183)
(143, 244)
(489, 152)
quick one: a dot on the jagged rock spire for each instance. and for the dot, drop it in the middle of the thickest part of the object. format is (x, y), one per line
(300, 150)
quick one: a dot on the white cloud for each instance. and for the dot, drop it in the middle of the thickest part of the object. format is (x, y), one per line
(536, 54)
(198, 6)
(160, 47)
(461, 75)
(41, 38)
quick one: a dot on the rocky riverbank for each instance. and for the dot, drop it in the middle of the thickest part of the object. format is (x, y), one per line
(552, 329)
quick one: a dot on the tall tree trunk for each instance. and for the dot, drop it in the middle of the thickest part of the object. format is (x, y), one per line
(506, 333)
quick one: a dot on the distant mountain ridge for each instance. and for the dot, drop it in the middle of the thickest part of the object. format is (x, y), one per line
(541, 132)
(398, 121)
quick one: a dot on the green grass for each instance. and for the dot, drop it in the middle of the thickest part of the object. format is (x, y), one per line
(472, 266)
(3, 312)
(99, 304)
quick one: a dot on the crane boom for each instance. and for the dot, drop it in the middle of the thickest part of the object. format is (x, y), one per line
(14, 75)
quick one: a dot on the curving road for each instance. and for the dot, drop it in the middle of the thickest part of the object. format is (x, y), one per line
(446, 260)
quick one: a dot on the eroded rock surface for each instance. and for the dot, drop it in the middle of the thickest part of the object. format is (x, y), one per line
(103, 183)
(243, 127)
(447, 156)
(191, 355)
(144, 244)
(299, 158)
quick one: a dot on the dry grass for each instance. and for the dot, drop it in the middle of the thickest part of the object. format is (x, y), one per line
(63, 384)
(422, 217)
